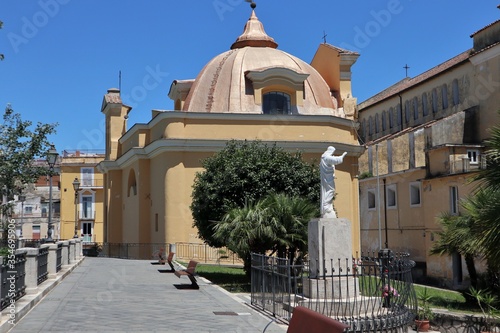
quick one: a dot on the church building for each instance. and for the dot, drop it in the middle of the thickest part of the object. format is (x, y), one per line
(253, 91)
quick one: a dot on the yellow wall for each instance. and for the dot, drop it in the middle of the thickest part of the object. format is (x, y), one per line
(165, 168)
(71, 169)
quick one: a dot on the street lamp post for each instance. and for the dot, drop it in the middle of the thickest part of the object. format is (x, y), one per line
(76, 187)
(51, 161)
(21, 198)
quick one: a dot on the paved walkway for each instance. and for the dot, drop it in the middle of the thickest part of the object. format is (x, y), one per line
(117, 295)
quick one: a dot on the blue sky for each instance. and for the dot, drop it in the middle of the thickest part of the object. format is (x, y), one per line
(61, 56)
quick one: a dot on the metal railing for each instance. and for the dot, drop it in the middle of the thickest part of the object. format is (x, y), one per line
(205, 253)
(139, 251)
(59, 257)
(146, 251)
(42, 259)
(368, 293)
(449, 323)
(13, 286)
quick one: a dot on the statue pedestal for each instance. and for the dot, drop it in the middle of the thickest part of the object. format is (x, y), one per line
(330, 255)
(330, 246)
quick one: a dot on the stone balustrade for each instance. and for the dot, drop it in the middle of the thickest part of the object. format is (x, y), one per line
(31, 267)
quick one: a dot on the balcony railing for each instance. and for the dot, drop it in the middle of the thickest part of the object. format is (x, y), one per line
(87, 214)
(96, 182)
(465, 165)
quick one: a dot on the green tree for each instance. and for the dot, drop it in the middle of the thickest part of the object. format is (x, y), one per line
(455, 237)
(276, 223)
(292, 214)
(19, 146)
(244, 172)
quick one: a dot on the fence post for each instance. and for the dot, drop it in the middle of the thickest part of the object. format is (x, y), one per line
(65, 255)
(31, 269)
(71, 253)
(52, 260)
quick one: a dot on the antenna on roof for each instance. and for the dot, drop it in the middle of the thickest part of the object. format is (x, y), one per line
(120, 82)
(324, 36)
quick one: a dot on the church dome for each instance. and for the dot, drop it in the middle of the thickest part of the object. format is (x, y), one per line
(239, 80)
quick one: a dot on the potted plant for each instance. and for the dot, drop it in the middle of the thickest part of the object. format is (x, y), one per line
(486, 300)
(424, 312)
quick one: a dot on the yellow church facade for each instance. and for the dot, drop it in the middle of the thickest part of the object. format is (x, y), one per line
(253, 91)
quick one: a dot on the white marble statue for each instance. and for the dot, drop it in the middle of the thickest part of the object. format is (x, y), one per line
(327, 170)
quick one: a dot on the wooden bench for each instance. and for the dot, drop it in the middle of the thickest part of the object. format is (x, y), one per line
(307, 320)
(189, 272)
(169, 261)
(160, 255)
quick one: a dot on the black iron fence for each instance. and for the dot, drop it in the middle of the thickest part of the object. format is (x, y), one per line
(454, 323)
(42, 269)
(59, 257)
(369, 293)
(12, 279)
(147, 251)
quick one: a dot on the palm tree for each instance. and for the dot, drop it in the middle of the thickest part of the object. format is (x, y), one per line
(490, 176)
(277, 224)
(455, 237)
(292, 214)
(484, 208)
(245, 230)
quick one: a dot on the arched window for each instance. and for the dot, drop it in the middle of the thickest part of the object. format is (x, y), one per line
(132, 184)
(434, 100)
(455, 92)
(370, 125)
(415, 108)
(384, 120)
(399, 115)
(391, 117)
(407, 112)
(444, 96)
(425, 107)
(363, 129)
(276, 102)
(377, 123)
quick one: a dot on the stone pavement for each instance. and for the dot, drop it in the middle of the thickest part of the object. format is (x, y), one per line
(117, 295)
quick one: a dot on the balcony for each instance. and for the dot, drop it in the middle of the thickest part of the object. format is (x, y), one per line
(92, 183)
(464, 165)
(87, 214)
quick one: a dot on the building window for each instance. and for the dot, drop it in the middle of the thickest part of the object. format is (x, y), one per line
(391, 117)
(399, 115)
(415, 108)
(87, 176)
(132, 184)
(35, 232)
(455, 92)
(391, 196)
(444, 96)
(372, 201)
(473, 156)
(407, 112)
(434, 100)
(276, 102)
(377, 123)
(87, 231)
(370, 125)
(415, 194)
(454, 200)
(28, 210)
(384, 121)
(425, 107)
(87, 205)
